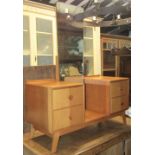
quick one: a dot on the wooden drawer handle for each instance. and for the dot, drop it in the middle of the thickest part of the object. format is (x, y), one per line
(70, 118)
(122, 103)
(70, 97)
(121, 89)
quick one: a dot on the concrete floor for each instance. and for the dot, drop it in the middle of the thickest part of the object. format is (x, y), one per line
(117, 119)
(27, 152)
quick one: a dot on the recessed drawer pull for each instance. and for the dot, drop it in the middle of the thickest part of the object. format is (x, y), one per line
(70, 97)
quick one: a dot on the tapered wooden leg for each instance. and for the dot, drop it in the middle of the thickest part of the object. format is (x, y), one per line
(124, 118)
(32, 131)
(55, 141)
(99, 124)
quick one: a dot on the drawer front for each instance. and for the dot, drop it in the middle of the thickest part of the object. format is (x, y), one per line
(76, 95)
(68, 117)
(61, 98)
(119, 88)
(119, 104)
(61, 119)
(67, 97)
(77, 115)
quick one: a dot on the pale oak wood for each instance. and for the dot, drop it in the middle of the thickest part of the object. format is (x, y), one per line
(58, 95)
(119, 88)
(69, 114)
(55, 141)
(119, 103)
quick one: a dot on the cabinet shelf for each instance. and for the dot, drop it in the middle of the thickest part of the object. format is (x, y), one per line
(26, 30)
(109, 69)
(106, 49)
(88, 55)
(92, 116)
(44, 54)
(88, 38)
(47, 33)
(70, 60)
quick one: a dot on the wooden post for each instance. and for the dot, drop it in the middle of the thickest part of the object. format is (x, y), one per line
(57, 69)
(124, 118)
(32, 131)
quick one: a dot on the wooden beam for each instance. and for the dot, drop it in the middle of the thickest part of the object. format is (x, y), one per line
(116, 9)
(125, 21)
(118, 30)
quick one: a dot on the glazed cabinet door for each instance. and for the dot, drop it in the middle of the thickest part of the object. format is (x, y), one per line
(109, 61)
(39, 36)
(124, 43)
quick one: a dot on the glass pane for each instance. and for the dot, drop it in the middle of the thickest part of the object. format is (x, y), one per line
(88, 66)
(25, 22)
(88, 32)
(43, 25)
(45, 60)
(109, 73)
(105, 45)
(44, 44)
(26, 41)
(26, 60)
(88, 46)
(109, 60)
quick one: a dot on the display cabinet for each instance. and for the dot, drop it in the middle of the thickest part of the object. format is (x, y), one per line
(110, 62)
(39, 34)
(124, 43)
(108, 59)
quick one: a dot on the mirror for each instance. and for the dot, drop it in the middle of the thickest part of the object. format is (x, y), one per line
(70, 44)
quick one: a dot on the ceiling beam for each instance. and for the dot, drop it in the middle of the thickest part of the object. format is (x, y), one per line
(114, 9)
(69, 1)
(115, 23)
(53, 1)
(83, 2)
(118, 30)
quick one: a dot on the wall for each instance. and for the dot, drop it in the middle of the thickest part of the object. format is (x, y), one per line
(33, 73)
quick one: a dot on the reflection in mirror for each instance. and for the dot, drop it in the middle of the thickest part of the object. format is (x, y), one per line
(70, 47)
(70, 44)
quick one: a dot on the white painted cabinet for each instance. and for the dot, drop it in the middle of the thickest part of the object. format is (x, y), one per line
(92, 54)
(39, 34)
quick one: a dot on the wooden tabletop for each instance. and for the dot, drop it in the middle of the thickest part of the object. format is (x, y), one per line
(52, 83)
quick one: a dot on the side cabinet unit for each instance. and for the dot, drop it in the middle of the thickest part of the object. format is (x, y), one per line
(54, 106)
(110, 63)
(107, 95)
(119, 95)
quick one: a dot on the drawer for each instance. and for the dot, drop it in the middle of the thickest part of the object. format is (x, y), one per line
(119, 88)
(68, 117)
(67, 97)
(119, 103)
